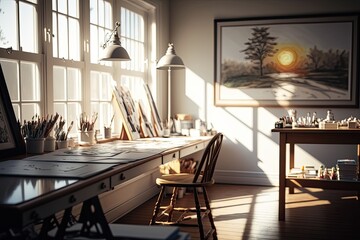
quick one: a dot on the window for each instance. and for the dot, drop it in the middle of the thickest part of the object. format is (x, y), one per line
(51, 61)
(67, 78)
(101, 80)
(67, 93)
(101, 24)
(66, 29)
(21, 62)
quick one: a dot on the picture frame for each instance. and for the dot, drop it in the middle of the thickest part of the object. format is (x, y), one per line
(298, 61)
(11, 141)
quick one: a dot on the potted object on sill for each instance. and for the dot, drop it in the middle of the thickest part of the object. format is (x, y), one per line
(61, 135)
(86, 129)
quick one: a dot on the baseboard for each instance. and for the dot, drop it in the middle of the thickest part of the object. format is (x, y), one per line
(246, 177)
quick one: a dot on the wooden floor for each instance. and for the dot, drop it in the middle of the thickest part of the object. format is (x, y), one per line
(251, 212)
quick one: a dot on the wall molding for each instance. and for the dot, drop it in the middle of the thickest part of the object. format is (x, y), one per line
(246, 177)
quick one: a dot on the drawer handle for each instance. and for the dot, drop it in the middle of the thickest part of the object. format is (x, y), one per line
(72, 199)
(103, 185)
(174, 155)
(122, 176)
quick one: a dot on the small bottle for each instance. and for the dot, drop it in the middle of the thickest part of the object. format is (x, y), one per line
(333, 173)
(330, 116)
(308, 119)
(314, 119)
(321, 172)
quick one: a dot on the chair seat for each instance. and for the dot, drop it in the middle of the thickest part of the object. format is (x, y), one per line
(181, 180)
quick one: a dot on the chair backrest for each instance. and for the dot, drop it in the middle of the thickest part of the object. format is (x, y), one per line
(207, 164)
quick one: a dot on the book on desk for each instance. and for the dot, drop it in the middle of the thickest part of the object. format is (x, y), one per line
(131, 232)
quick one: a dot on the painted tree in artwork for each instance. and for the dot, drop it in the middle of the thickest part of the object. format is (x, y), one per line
(260, 46)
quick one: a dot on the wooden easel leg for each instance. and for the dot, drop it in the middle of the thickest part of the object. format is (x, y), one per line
(123, 134)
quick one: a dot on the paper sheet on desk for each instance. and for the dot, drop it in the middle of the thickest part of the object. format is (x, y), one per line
(120, 158)
(21, 167)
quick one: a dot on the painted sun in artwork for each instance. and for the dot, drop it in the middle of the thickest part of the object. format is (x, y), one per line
(287, 58)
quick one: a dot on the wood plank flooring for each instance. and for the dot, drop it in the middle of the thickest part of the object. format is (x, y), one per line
(251, 212)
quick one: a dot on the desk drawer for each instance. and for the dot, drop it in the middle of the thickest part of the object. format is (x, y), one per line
(66, 201)
(169, 157)
(192, 149)
(134, 172)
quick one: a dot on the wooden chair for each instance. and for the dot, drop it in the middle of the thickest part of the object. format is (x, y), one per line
(202, 178)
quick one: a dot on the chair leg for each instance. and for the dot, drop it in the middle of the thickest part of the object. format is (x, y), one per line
(210, 216)
(198, 213)
(172, 203)
(157, 206)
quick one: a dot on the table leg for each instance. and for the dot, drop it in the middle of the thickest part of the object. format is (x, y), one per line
(358, 173)
(91, 215)
(291, 163)
(282, 166)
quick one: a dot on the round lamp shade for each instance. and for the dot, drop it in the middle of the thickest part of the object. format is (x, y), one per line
(170, 60)
(115, 53)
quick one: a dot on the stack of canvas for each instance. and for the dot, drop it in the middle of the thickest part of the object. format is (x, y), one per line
(347, 169)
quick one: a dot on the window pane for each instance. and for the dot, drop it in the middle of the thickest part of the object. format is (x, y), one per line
(94, 44)
(55, 39)
(8, 31)
(74, 84)
(63, 37)
(94, 81)
(28, 28)
(74, 39)
(101, 93)
(132, 39)
(106, 88)
(29, 110)
(73, 8)
(30, 82)
(74, 110)
(108, 15)
(62, 6)
(11, 74)
(60, 108)
(101, 14)
(93, 11)
(59, 83)
(54, 5)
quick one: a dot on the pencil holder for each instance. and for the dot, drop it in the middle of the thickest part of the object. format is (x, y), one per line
(107, 132)
(86, 138)
(62, 144)
(49, 144)
(35, 145)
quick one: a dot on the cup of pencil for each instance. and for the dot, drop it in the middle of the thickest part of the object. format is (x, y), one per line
(86, 129)
(35, 145)
(36, 131)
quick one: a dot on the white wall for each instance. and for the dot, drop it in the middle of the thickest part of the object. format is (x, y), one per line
(250, 151)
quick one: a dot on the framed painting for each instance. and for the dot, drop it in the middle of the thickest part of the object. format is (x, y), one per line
(11, 141)
(307, 61)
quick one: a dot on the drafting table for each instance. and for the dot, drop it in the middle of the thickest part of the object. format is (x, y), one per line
(28, 199)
